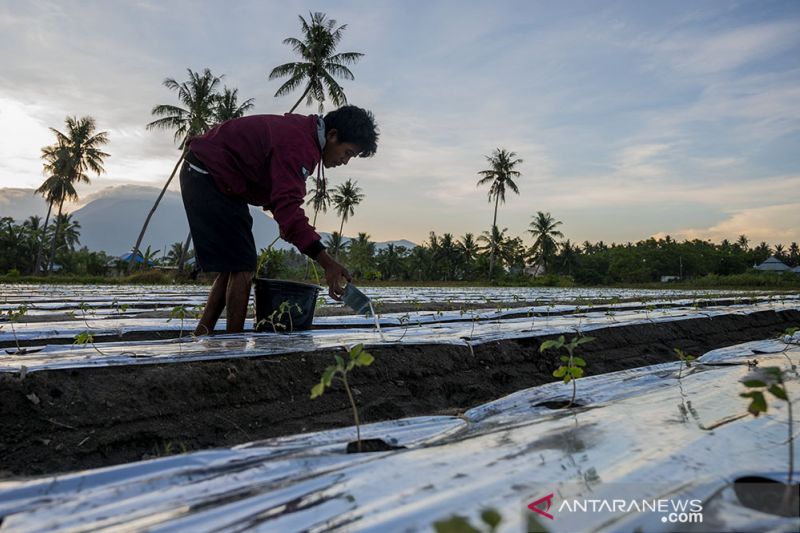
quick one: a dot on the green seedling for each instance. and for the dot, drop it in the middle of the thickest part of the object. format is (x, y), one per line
(405, 322)
(459, 524)
(84, 338)
(573, 367)
(649, 308)
(15, 315)
(179, 312)
(85, 308)
(119, 308)
(787, 338)
(685, 358)
(358, 356)
(275, 319)
(769, 379)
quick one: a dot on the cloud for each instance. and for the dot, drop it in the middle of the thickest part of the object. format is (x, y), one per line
(772, 224)
(731, 48)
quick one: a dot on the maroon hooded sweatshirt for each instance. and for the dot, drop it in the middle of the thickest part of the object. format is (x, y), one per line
(265, 160)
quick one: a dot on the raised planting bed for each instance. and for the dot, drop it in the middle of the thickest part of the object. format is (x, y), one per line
(82, 414)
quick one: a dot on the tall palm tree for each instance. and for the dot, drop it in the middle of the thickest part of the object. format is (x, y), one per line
(335, 242)
(200, 97)
(69, 232)
(76, 152)
(345, 198)
(743, 242)
(499, 176)
(543, 229)
(51, 191)
(319, 65)
(228, 107)
(320, 197)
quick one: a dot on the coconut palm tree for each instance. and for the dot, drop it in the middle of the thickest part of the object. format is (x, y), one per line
(335, 242)
(743, 242)
(51, 191)
(499, 176)
(345, 198)
(200, 98)
(543, 229)
(319, 65)
(76, 152)
(227, 106)
(320, 197)
(492, 240)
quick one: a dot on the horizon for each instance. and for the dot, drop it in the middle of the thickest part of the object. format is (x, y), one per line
(633, 121)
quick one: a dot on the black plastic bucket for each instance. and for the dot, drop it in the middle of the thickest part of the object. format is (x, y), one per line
(284, 306)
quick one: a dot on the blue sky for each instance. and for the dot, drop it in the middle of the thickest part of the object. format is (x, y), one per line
(633, 118)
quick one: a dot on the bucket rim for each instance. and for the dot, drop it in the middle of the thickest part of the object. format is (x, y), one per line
(289, 282)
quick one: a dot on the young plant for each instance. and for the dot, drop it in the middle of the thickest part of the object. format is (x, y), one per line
(15, 315)
(264, 257)
(685, 360)
(180, 312)
(275, 319)
(769, 379)
(84, 338)
(649, 308)
(573, 366)
(119, 308)
(358, 356)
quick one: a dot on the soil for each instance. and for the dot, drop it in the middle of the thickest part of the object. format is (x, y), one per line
(63, 420)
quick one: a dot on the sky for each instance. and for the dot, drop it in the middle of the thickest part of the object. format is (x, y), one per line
(633, 119)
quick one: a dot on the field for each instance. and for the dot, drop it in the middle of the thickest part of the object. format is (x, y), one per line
(113, 414)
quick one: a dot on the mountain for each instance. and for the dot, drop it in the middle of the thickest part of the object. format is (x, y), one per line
(112, 218)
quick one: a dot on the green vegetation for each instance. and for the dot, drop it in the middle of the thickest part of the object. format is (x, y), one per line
(769, 379)
(685, 360)
(573, 366)
(14, 315)
(276, 318)
(358, 356)
(490, 517)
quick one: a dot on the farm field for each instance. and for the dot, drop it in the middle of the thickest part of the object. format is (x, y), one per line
(133, 422)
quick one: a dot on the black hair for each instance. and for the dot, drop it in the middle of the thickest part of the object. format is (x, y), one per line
(354, 125)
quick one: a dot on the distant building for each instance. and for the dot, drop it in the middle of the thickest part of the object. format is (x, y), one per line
(773, 264)
(534, 271)
(665, 279)
(796, 270)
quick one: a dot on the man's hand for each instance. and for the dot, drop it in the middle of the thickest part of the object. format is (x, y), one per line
(334, 272)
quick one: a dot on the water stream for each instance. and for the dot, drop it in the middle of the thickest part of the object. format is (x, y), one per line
(377, 322)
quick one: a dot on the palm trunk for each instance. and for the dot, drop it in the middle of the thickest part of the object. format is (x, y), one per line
(135, 250)
(314, 223)
(491, 237)
(341, 239)
(55, 236)
(301, 99)
(38, 264)
(184, 252)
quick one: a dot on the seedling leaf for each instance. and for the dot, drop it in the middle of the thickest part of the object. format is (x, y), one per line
(317, 390)
(578, 361)
(778, 392)
(560, 372)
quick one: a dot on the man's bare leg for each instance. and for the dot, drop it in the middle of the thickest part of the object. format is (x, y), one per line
(237, 298)
(214, 305)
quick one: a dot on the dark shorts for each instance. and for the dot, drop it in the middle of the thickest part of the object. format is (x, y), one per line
(221, 226)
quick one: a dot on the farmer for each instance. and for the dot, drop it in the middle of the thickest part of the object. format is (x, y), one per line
(262, 160)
